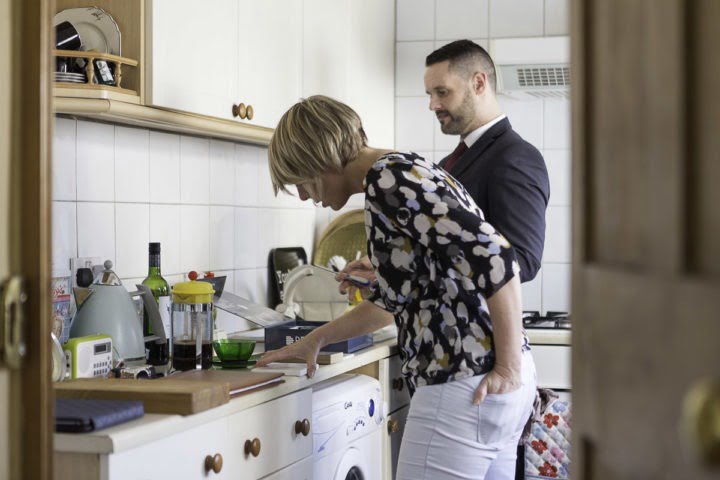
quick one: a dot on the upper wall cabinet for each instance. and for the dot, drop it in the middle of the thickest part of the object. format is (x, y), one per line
(349, 54)
(207, 57)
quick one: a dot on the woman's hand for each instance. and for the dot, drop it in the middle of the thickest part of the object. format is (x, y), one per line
(498, 380)
(360, 268)
(307, 348)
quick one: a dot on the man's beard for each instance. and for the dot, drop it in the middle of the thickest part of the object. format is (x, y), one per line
(460, 119)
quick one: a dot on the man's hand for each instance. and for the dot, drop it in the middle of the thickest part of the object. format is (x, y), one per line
(498, 380)
(307, 348)
(360, 268)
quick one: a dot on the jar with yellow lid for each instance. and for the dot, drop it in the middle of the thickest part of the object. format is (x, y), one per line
(192, 324)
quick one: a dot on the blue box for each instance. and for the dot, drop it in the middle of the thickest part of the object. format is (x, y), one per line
(279, 336)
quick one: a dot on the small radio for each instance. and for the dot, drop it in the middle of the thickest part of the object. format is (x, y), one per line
(89, 356)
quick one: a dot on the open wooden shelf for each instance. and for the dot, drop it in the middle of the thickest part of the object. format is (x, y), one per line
(116, 111)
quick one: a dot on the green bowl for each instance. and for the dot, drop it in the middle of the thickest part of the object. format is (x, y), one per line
(233, 349)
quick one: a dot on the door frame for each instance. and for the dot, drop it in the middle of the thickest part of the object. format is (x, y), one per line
(32, 403)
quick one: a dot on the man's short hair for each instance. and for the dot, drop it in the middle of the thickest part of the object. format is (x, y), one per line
(465, 58)
(316, 135)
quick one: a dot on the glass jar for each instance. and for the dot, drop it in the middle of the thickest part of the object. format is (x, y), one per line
(192, 324)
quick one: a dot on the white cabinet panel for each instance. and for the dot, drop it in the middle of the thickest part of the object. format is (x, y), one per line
(399, 393)
(302, 470)
(192, 55)
(553, 365)
(396, 437)
(325, 48)
(270, 53)
(273, 425)
(179, 456)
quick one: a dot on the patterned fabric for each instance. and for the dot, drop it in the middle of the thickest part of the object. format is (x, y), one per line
(437, 261)
(547, 450)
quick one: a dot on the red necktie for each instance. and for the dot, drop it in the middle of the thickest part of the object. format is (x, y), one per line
(453, 158)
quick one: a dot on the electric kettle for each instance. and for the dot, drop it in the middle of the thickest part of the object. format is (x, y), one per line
(107, 307)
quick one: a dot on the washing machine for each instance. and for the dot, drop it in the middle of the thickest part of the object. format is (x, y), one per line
(348, 416)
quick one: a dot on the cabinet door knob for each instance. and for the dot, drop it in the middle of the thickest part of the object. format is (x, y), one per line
(393, 426)
(252, 447)
(239, 110)
(249, 113)
(398, 384)
(302, 426)
(214, 463)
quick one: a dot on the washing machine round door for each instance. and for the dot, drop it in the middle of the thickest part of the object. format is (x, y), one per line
(351, 466)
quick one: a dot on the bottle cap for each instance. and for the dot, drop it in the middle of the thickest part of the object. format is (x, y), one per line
(154, 248)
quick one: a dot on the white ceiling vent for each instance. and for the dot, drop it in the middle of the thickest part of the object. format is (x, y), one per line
(532, 68)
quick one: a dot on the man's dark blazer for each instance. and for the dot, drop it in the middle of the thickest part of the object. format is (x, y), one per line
(507, 178)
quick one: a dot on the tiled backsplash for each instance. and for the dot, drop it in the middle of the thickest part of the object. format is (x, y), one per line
(424, 25)
(210, 203)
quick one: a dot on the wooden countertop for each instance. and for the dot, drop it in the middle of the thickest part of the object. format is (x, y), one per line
(153, 427)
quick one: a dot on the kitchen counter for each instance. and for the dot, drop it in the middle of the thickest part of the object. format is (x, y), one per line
(152, 427)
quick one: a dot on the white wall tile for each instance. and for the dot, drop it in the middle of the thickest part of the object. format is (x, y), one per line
(526, 118)
(248, 226)
(64, 236)
(557, 235)
(165, 228)
(194, 238)
(131, 165)
(557, 124)
(556, 287)
(558, 165)
(132, 233)
(96, 230)
(222, 173)
(222, 237)
(410, 67)
(458, 19)
(266, 196)
(413, 124)
(439, 155)
(247, 176)
(95, 161)
(194, 170)
(252, 284)
(415, 20)
(516, 18)
(532, 293)
(64, 183)
(557, 18)
(164, 168)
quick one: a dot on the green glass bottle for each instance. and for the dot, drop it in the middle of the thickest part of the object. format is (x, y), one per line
(158, 354)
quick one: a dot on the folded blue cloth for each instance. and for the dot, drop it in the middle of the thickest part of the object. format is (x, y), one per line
(86, 415)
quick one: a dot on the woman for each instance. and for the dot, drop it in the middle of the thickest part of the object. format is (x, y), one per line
(446, 278)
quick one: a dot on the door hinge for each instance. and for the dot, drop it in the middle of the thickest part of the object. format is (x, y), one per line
(12, 321)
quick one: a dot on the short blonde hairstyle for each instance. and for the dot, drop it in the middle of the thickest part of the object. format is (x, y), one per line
(317, 135)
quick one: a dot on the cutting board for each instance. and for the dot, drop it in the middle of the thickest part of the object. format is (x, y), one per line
(237, 382)
(158, 396)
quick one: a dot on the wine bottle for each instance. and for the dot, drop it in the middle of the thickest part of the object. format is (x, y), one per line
(158, 354)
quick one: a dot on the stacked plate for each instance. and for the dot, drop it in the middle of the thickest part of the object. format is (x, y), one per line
(70, 77)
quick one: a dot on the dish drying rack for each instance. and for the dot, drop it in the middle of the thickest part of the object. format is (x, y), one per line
(90, 56)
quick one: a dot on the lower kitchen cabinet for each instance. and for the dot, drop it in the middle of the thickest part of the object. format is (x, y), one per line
(396, 428)
(302, 470)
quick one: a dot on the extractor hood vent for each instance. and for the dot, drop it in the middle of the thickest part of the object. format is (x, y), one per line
(532, 68)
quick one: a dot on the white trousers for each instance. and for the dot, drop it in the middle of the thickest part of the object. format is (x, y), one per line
(447, 437)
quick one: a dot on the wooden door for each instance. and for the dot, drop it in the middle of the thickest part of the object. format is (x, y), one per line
(25, 394)
(646, 239)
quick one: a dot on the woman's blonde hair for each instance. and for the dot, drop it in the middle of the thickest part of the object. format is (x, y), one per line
(318, 134)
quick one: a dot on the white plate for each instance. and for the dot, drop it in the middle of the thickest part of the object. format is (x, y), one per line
(96, 27)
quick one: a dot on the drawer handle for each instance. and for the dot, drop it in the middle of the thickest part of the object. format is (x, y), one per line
(249, 112)
(302, 426)
(393, 426)
(213, 463)
(398, 384)
(252, 447)
(239, 110)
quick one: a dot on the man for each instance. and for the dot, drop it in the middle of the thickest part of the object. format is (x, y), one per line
(505, 175)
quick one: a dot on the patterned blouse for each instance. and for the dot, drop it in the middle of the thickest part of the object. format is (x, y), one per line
(437, 261)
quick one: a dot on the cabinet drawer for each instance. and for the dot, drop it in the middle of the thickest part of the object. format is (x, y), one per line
(302, 470)
(553, 365)
(271, 427)
(178, 456)
(399, 394)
